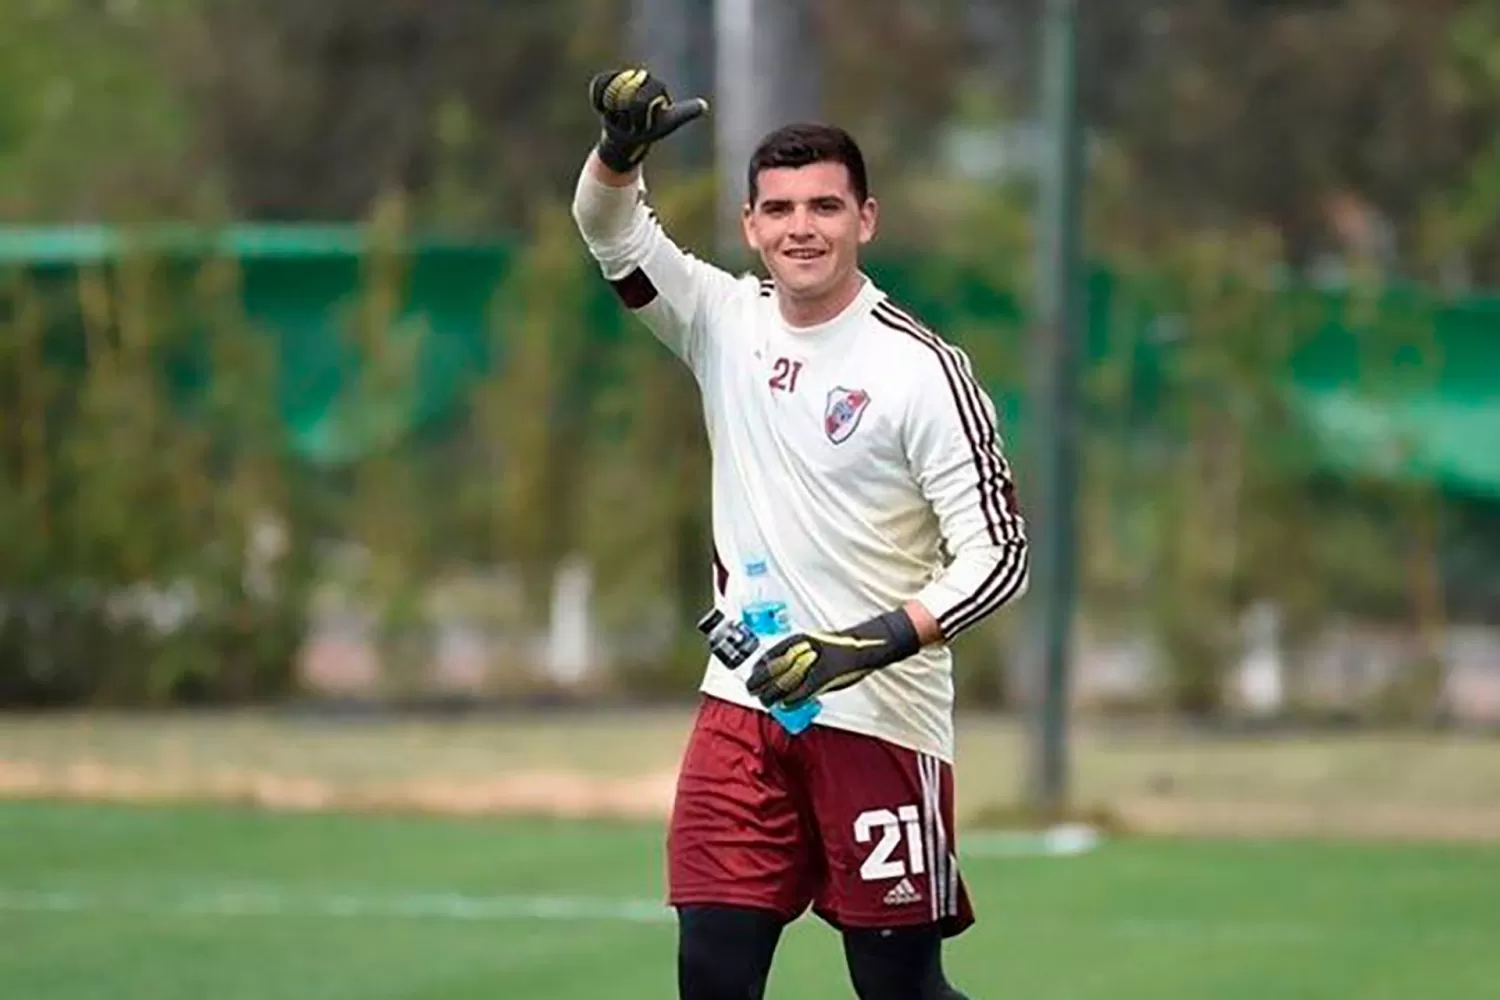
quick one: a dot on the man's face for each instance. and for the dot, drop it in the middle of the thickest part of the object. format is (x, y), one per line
(807, 227)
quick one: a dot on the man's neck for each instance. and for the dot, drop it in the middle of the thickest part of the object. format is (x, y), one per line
(811, 312)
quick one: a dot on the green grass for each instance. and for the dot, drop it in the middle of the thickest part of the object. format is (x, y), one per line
(1157, 778)
(163, 903)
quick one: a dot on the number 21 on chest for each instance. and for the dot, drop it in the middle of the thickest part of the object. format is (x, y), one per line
(784, 375)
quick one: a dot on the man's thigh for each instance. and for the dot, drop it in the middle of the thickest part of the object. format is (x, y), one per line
(885, 819)
(740, 833)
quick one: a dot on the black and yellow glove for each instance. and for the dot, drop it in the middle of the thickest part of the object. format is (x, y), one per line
(636, 111)
(809, 664)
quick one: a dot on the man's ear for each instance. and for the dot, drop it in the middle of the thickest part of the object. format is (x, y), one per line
(869, 218)
(747, 213)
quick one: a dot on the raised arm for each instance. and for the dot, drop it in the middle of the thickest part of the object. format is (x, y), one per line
(672, 291)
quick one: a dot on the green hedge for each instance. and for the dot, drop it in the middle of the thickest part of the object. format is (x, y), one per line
(456, 405)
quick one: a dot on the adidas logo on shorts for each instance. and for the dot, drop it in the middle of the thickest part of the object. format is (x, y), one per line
(903, 893)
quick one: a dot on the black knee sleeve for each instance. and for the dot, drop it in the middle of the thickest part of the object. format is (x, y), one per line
(903, 963)
(724, 952)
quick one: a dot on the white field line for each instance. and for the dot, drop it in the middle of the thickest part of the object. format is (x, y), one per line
(272, 901)
(1059, 842)
(269, 901)
(221, 902)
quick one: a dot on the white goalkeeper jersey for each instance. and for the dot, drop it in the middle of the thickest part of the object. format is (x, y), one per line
(859, 458)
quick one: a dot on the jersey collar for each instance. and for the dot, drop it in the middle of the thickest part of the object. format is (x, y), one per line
(830, 328)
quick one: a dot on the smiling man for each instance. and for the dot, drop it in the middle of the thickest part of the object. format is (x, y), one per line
(857, 464)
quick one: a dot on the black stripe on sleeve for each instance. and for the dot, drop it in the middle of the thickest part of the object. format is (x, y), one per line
(990, 469)
(635, 289)
(1003, 583)
(1001, 489)
(996, 491)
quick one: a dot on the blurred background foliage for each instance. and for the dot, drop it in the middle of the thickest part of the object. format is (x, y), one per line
(217, 210)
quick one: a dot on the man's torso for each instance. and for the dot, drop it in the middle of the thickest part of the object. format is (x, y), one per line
(810, 474)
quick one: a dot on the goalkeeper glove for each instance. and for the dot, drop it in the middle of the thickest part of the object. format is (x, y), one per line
(809, 664)
(635, 111)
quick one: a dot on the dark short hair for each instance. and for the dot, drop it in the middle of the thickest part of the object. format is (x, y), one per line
(805, 143)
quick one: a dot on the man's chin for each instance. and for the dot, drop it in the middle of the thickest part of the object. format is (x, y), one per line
(801, 288)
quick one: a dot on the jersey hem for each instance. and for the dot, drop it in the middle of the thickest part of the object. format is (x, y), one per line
(834, 719)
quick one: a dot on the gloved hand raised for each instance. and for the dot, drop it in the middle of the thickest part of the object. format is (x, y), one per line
(635, 110)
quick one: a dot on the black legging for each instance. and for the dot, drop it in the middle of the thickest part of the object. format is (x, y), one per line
(724, 953)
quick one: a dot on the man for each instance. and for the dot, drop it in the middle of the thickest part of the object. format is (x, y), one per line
(857, 456)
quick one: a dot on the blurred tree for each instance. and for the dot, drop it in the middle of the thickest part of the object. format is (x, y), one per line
(897, 75)
(1462, 240)
(313, 110)
(89, 124)
(1305, 116)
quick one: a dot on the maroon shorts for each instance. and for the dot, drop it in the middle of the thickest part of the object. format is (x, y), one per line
(858, 828)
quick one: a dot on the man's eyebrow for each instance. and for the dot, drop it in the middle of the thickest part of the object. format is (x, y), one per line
(817, 199)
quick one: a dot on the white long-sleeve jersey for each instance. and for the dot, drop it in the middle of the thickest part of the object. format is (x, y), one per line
(859, 458)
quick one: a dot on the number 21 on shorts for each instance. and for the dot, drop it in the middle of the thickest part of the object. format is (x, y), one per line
(882, 863)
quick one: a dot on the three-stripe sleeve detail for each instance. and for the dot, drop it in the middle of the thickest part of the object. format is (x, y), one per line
(996, 494)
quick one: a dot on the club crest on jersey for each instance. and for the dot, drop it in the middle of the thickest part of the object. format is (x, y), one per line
(841, 416)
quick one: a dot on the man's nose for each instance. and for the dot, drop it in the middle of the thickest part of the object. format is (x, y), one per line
(802, 221)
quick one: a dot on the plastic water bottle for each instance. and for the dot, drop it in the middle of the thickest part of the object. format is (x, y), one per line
(734, 644)
(765, 614)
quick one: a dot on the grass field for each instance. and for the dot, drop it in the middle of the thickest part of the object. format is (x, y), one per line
(1157, 779)
(1356, 865)
(159, 903)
